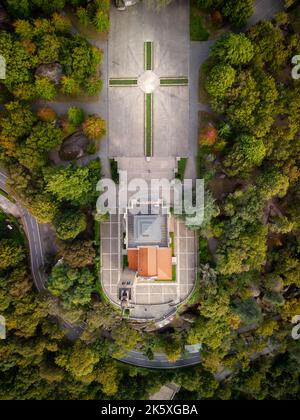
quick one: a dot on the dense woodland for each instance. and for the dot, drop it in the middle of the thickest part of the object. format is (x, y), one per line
(249, 155)
(249, 277)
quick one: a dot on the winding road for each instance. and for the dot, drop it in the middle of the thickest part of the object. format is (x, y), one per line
(37, 259)
(160, 361)
(31, 227)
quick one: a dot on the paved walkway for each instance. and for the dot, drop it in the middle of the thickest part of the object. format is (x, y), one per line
(199, 53)
(111, 256)
(166, 393)
(265, 9)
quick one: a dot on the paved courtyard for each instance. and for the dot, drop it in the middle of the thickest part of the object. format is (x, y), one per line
(147, 293)
(169, 34)
(111, 256)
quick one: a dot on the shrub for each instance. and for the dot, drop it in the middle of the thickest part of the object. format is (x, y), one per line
(94, 127)
(75, 116)
(93, 86)
(47, 114)
(45, 89)
(69, 86)
(208, 137)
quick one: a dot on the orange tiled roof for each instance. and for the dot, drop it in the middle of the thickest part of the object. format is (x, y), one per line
(151, 262)
(133, 258)
(164, 263)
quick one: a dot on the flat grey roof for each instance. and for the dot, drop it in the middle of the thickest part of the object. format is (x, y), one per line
(147, 229)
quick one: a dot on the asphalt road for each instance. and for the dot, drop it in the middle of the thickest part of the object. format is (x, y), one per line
(160, 361)
(33, 235)
(32, 231)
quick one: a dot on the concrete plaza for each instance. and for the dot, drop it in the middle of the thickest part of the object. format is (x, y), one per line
(169, 32)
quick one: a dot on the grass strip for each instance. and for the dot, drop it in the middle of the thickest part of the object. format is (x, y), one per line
(170, 81)
(181, 168)
(198, 31)
(148, 56)
(114, 171)
(172, 243)
(148, 124)
(123, 82)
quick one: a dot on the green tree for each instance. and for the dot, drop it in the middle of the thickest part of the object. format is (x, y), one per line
(69, 224)
(83, 16)
(17, 121)
(238, 11)
(61, 23)
(247, 152)
(11, 253)
(93, 86)
(71, 183)
(203, 219)
(125, 339)
(45, 137)
(245, 251)
(234, 49)
(220, 79)
(77, 254)
(249, 311)
(74, 287)
(108, 376)
(80, 361)
(43, 207)
(209, 332)
(272, 183)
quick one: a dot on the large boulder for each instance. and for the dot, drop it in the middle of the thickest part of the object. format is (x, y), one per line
(52, 71)
(74, 146)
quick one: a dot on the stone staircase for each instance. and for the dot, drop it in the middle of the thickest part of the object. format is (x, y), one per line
(155, 168)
